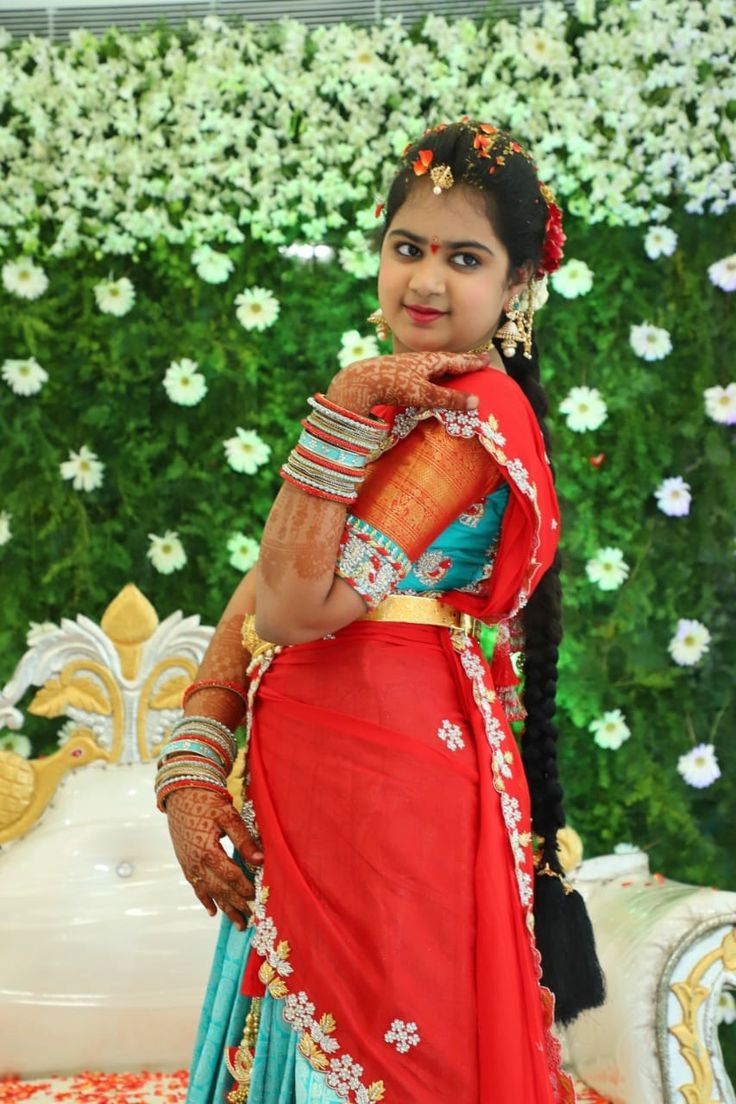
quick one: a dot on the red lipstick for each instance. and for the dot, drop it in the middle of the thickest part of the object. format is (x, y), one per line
(423, 314)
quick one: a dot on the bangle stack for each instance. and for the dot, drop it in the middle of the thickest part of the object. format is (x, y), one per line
(330, 457)
(205, 750)
(215, 684)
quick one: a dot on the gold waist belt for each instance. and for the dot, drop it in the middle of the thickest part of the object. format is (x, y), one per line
(419, 610)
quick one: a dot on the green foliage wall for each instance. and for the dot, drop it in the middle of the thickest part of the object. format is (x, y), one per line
(165, 468)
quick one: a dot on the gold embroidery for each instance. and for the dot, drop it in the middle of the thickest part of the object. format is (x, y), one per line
(242, 1067)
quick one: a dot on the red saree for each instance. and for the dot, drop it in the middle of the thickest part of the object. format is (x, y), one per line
(394, 906)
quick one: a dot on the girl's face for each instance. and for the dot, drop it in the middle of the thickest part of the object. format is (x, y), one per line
(440, 252)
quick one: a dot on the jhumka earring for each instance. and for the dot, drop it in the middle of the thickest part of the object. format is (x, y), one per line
(518, 327)
(382, 327)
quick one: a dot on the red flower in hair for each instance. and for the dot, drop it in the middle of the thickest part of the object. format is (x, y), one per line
(554, 239)
(379, 208)
(421, 165)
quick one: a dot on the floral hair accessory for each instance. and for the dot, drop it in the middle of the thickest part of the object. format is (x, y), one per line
(554, 236)
(423, 161)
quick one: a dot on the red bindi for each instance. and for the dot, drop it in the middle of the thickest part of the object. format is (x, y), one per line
(434, 245)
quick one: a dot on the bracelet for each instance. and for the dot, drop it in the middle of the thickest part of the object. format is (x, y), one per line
(215, 685)
(193, 762)
(199, 746)
(331, 438)
(208, 739)
(312, 488)
(162, 792)
(343, 415)
(207, 725)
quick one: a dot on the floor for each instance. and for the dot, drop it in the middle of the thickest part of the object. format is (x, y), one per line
(133, 1088)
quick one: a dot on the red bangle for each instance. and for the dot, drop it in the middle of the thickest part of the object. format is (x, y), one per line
(343, 469)
(348, 446)
(216, 684)
(372, 422)
(313, 491)
(169, 787)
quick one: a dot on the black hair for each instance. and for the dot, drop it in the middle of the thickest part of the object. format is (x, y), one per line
(490, 160)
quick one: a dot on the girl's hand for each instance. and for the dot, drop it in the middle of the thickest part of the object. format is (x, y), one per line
(404, 379)
(198, 819)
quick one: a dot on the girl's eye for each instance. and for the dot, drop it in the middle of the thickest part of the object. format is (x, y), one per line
(474, 259)
(406, 245)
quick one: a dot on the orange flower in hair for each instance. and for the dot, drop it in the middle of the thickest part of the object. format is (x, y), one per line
(482, 142)
(421, 165)
(487, 128)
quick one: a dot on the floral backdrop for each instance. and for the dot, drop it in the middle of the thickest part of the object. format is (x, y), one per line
(184, 260)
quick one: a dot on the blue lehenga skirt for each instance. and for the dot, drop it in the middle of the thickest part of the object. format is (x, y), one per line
(281, 1074)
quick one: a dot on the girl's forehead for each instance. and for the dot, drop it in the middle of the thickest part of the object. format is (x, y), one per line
(458, 211)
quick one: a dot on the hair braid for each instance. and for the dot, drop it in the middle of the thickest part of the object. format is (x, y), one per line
(542, 622)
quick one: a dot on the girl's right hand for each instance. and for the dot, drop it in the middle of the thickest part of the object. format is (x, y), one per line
(198, 819)
(404, 379)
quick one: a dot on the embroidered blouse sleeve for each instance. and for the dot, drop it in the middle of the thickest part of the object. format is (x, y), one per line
(407, 499)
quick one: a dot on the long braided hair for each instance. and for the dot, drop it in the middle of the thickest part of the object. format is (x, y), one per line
(518, 214)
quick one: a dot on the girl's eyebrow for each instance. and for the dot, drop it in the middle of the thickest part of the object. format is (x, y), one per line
(449, 245)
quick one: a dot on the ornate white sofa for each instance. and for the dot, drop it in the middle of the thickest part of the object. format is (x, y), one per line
(104, 951)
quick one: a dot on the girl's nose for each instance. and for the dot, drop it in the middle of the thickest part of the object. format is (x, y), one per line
(427, 278)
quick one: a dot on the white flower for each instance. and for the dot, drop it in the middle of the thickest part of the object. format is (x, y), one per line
(572, 279)
(720, 403)
(16, 742)
(690, 642)
(24, 377)
(607, 568)
(699, 767)
(84, 468)
(354, 347)
(166, 553)
(243, 551)
(673, 496)
(610, 730)
(660, 241)
(246, 452)
(257, 308)
(212, 267)
(115, 296)
(5, 533)
(723, 273)
(38, 630)
(585, 408)
(24, 278)
(650, 342)
(184, 385)
(726, 1008)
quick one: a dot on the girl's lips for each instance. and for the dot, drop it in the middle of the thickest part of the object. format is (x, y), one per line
(423, 315)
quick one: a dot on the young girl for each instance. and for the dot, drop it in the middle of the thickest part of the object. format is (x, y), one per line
(392, 931)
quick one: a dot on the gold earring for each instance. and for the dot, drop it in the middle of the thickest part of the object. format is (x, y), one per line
(518, 327)
(382, 327)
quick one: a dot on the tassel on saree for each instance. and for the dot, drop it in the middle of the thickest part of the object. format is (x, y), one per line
(241, 1067)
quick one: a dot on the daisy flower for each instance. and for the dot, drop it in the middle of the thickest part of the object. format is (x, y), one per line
(16, 742)
(24, 377)
(607, 568)
(243, 551)
(660, 241)
(5, 533)
(720, 403)
(84, 469)
(257, 308)
(211, 266)
(246, 452)
(572, 279)
(184, 385)
(115, 296)
(650, 342)
(673, 496)
(690, 642)
(166, 553)
(610, 730)
(723, 273)
(24, 278)
(584, 408)
(699, 767)
(354, 347)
